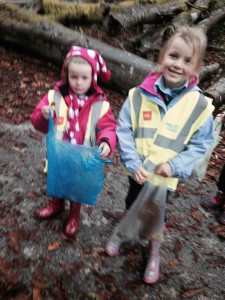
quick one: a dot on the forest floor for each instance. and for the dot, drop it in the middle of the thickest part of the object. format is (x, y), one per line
(37, 261)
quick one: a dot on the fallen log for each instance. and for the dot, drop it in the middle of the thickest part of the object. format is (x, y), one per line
(35, 5)
(217, 92)
(154, 42)
(72, 13)
(141, 14)
(109, 7)
(198, 8)
(207, 71)
(186, 18)
(150, 40)
(213, 19)
(51, 41)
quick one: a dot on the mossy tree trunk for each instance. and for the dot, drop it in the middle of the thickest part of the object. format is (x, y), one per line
(51, 41)
(141, 14)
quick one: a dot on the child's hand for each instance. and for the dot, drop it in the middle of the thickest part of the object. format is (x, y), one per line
(105, 149)
(46, 111)
(141, 175)
(164, 170)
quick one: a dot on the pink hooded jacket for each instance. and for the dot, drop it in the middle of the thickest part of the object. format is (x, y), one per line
(106, 125)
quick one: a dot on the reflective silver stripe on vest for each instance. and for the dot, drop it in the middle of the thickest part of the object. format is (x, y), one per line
(178, 144)
(149, 165)
(137, 103)
(95, 116)
(56, 98)
(141, 132)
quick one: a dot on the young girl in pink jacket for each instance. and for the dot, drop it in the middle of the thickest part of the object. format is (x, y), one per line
(81, 113)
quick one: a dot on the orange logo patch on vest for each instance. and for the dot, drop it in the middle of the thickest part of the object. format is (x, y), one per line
(60, 120)
(147, 115)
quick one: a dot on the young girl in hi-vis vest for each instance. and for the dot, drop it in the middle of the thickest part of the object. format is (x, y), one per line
(78, 104)
(165, 125)
(218, 201)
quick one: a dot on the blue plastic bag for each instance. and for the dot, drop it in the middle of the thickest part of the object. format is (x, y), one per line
(75, 172)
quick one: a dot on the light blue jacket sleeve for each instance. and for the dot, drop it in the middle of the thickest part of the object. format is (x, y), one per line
(129, 156)
(182, 165)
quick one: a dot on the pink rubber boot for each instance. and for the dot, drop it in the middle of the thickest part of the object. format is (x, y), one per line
(74, 219)
(55, 207)
(151, 274)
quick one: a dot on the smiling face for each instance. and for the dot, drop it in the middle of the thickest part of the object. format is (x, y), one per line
(178, 63)
(79, 77)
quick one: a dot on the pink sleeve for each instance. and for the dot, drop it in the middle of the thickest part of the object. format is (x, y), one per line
(106, 130)
(37, 119)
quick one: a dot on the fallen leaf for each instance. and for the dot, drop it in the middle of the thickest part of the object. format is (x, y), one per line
(7, 275)
(178, 246)
(32, 195)
(192, 293)
(14, 239)
(54, 246)
(217, 228)
(37, 294)
(211, 173)
(197, 227)
(182, 217)
(173, 263)
(65, 237)
(23, 85)
(182, 191)
(39, 284)
(48, 257)
(196, 216)
(35, 136)
(220, 261)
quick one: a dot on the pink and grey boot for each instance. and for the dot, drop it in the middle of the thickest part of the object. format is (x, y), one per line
(151, 274)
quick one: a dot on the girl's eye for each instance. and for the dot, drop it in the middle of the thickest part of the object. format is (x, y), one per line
(188, 61)
(73, 77)
(173, 55)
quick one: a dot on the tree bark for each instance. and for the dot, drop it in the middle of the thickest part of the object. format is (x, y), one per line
(155, 41)
(141, 14)
(213, 19)
(186, 18)
(120, 7)
(207, 71)
(72, 13)
(217, 92)
(51, 41)
(35, 5)
(196, 10)
(151, 40)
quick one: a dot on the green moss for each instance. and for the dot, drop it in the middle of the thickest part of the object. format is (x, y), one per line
(71, 13)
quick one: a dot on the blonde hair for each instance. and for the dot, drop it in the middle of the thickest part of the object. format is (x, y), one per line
(75, 59)
(192, 36)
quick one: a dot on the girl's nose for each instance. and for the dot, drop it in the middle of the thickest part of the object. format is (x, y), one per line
(177, 64)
